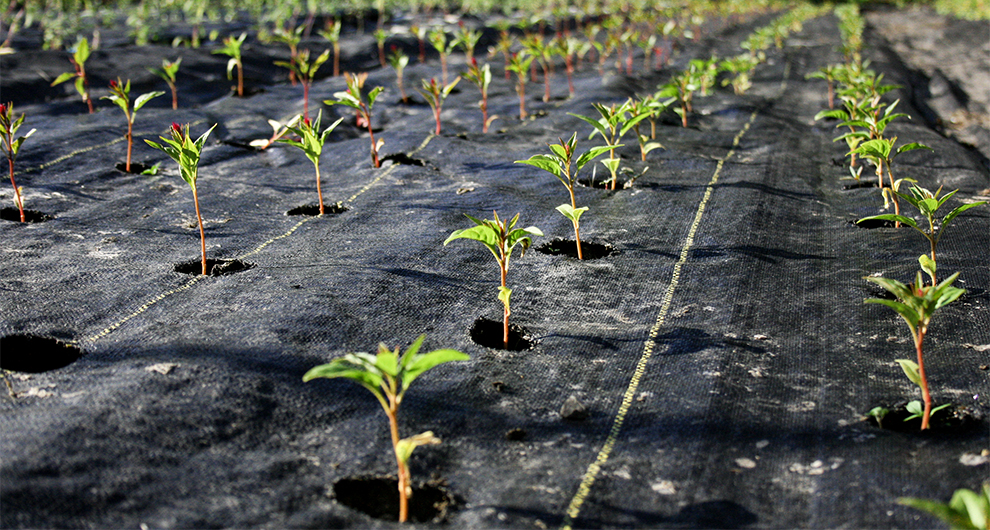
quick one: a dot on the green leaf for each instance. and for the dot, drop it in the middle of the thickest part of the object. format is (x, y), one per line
(345, 368)
(422, 363)
(591, 154)
(952, 215)
(912, 146)
(144, 98)
(482, 233)
(230, 68)
(600, 127)
(942, 511)
(574, 214)
(404, 449)
(927, 265)
(976, 506)
(910, 369)
(373, 95)
(387, 361)
(890, 217)
(63, 78)
(503, 295)
(546, 163)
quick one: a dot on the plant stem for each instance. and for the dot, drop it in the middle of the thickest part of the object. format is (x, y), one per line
(919, 338)
(202, 234)
(403, 470)
(505, 316)
(319, 193)
(240, 80)
(175, 96)
(305, 99)
(577, 233)
(130, 144)
(17, 193)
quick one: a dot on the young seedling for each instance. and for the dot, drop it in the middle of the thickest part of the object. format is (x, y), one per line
(388, 376)
(168, 72)
(399, 61)
(467, 39)
(10, 145)
(438, 38)
(928, 204)
(741, 66)
(558, 163)
(543, 52)
(305, 71)
(420, 33)
(380, 37)
(519, 63)
(310, 141)
(568, 48)
(186, 152)
(682, 87)
(828, 73)
(435, 95)
(917, 303)
(290, 37)
(880, 152)
(232, 49)
(481, 77)
(78, 60)
(500, 237)
(504, 46)
(613, 124)
(121, 95)
(278, 130)
(647, 107)
(332, 34)
(967, 510)
(353, 98)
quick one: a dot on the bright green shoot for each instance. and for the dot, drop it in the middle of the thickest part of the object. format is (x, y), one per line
(399, 60)
(310, 141)
(443, 46)
(354, 98)
(967, 510)
(481, 77)
(305, 71)
(558, 163)
(168, 72)
(380, 37)
(880, 152)
(388, 376)
(649, 108)
(467, 39)
(917, 303)
(928, 204)
(741, 66)
(501, 238)
(121, 95)
(613, 124)
(78, 60)
(332, 34)
(186, 152)
(682, 87)
(436, 94)
(519, 63)
(10, 145)
(232, 48)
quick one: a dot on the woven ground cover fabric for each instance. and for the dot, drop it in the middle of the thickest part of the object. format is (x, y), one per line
(723, 351)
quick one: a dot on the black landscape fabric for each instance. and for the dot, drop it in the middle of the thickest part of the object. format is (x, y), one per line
(720, 358)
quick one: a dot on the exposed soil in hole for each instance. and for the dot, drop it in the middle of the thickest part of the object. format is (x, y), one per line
(605, 183)
(404, 159)
(872, 223)
(314, 209)
(378, 497)
(859, 184)
(214, 267)
(568, 247)
(30, 216)
(954, 419)
(136, 168)
(489, 333)
(35, 354)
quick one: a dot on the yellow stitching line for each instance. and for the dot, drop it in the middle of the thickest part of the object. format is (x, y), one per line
(584, 489)
(160, 297)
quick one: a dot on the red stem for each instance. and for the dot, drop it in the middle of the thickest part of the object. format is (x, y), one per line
(924, 380)
(202, 234)
(17, 194)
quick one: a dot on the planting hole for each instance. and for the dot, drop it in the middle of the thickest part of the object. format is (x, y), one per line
(870, 224)
(136, 168)
(403, 159)
(314, 209)
(568, 247)
(34, 354)
(952, 419)
(378, 497)
(489, 333)
(605, 183)
(214, 267)
(30, 216)
(860, 184)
